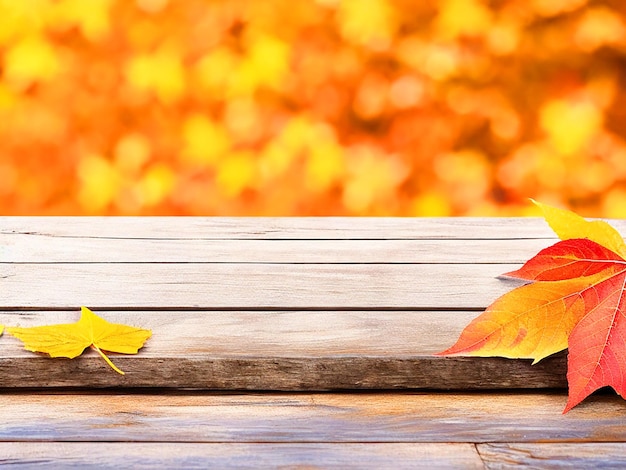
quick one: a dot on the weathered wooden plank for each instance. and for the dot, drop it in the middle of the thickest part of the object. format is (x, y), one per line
(271, 333)
(321, 418)
(197, 285)
(310, 373)
(310, 228)
(606, 455)
(291, 351)
(286, 227)
(38, 248)
(41, 455)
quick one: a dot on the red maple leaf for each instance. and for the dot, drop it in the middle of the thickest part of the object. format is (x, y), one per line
(576, 300)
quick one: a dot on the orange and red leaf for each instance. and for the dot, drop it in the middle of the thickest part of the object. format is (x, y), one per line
(576, 299)
(597, 345)
(568, 259)
(532, 321)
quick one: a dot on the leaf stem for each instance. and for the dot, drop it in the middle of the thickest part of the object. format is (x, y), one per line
(108, 361)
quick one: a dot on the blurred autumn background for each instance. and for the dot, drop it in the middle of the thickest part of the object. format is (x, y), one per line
(305, 107)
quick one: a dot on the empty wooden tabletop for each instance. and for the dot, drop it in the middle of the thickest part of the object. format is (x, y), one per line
(256, 320)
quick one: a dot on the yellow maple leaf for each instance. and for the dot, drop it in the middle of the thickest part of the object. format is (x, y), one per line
(568, 225)
(71, 339)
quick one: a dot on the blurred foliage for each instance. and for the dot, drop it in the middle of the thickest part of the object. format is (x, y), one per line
(303, 107)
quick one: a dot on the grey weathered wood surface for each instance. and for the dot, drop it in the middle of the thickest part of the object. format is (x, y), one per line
(400, 430)
(502, 417)
(254, 315)
(605, 455)
(240, 456)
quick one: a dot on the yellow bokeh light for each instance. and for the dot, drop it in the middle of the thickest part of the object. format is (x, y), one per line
(215, 69)
(161, 73)
(552, 170)
(91, 17)
(570, 124)
(269, 58)
(297, 133)
(205, 141)
(371, 178)
(156, 184)
(440, 62)
(325, 166)
(236, 173)
(462, 17)
(8, 99)
(132, 151)
(370, 23)
(265, 65)
(25, 17)
(99, 183)
(30, 60)
(430, 204)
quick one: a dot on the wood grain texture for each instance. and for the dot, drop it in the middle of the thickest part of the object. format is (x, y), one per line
(42, 455)
(22, 248)
(308, 373)
(271, 333)
(311, 418)
(606, 455)
(290, 351)
(245, 286)
(276, 228)
(282, 304)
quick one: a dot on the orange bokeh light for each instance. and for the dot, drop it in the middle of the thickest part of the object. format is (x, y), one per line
(311, 107)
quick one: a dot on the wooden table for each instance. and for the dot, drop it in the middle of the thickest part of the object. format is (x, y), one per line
(283, 342)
